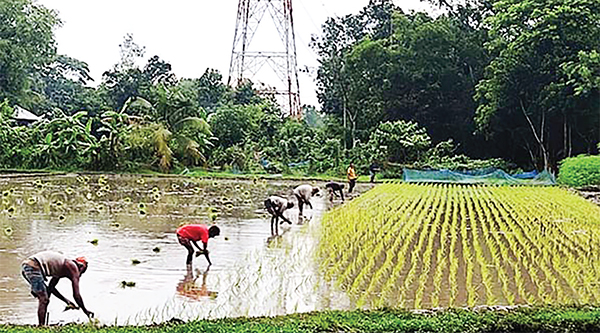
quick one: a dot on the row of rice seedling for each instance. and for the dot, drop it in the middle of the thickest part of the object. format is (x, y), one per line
(417, 246)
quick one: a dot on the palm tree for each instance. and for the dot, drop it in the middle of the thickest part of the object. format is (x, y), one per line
(184, 127)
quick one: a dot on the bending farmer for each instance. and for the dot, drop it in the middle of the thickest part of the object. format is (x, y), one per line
(192, 233)
(334, 189)
(276, 206)
(303, 193)
(37, 268)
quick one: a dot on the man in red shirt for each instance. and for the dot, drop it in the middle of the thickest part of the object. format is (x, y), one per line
(192, 233)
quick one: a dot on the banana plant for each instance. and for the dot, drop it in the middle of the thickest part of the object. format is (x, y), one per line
(66, 138)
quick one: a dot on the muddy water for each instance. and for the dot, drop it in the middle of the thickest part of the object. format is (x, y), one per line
(134, 218)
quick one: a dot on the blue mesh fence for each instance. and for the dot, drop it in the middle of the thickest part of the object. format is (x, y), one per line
(487, 176)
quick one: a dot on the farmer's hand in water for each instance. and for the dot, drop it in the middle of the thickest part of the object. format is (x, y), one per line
(90, 314)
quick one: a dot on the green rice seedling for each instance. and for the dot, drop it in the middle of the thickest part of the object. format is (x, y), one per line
(418, 253)
(156, 249)
(127, 284)
(387, 248)
(94, 241)
(428, 254)
(8, 231)
(443, 252)
(69, 190)
(127, 200)
(31, 200)
(484, 245)
(135, 261)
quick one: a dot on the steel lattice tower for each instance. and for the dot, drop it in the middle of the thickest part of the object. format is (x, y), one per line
(247, 62)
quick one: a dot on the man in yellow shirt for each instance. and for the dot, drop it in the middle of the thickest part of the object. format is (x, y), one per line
(351, 177)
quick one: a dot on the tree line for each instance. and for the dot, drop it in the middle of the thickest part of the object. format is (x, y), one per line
(512, 84)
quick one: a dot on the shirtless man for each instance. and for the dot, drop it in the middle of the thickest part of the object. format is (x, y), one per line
(276, 206)
(303, 193)
(191, 233)
(37, 268)
(333, 188)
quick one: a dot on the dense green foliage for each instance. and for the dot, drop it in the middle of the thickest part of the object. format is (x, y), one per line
(581, 170)
(550, 319)
(512, 84)
(532, 83)
(511, 79)
(26, 47)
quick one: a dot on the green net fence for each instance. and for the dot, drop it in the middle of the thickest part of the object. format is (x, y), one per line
(488, 176)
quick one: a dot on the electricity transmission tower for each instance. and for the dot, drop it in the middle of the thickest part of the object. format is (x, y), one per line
(273, 47)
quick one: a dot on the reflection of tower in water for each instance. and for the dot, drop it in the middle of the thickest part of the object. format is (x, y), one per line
(187, 287)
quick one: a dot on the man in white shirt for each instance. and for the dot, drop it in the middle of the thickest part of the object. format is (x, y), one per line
(276, 206)
(37, 268)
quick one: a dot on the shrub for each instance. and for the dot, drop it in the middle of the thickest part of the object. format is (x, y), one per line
(580, 171)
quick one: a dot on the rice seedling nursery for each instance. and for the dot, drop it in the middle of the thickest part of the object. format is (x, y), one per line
(446, 245)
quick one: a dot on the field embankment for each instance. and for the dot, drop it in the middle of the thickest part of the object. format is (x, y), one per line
(549, 319)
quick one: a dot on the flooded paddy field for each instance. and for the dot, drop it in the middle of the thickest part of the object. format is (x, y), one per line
(125, 226)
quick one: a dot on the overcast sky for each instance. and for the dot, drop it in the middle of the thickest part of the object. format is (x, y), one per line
(191, 35)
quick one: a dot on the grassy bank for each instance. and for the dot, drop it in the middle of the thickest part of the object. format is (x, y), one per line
(546, 319)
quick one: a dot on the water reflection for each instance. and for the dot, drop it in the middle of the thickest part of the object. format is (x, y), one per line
(130, 216)
(188, 287)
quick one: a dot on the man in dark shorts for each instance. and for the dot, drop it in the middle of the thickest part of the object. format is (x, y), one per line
(276, 206)
(334, 189)
(191, 233)
(373, 169)
(37, 268)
